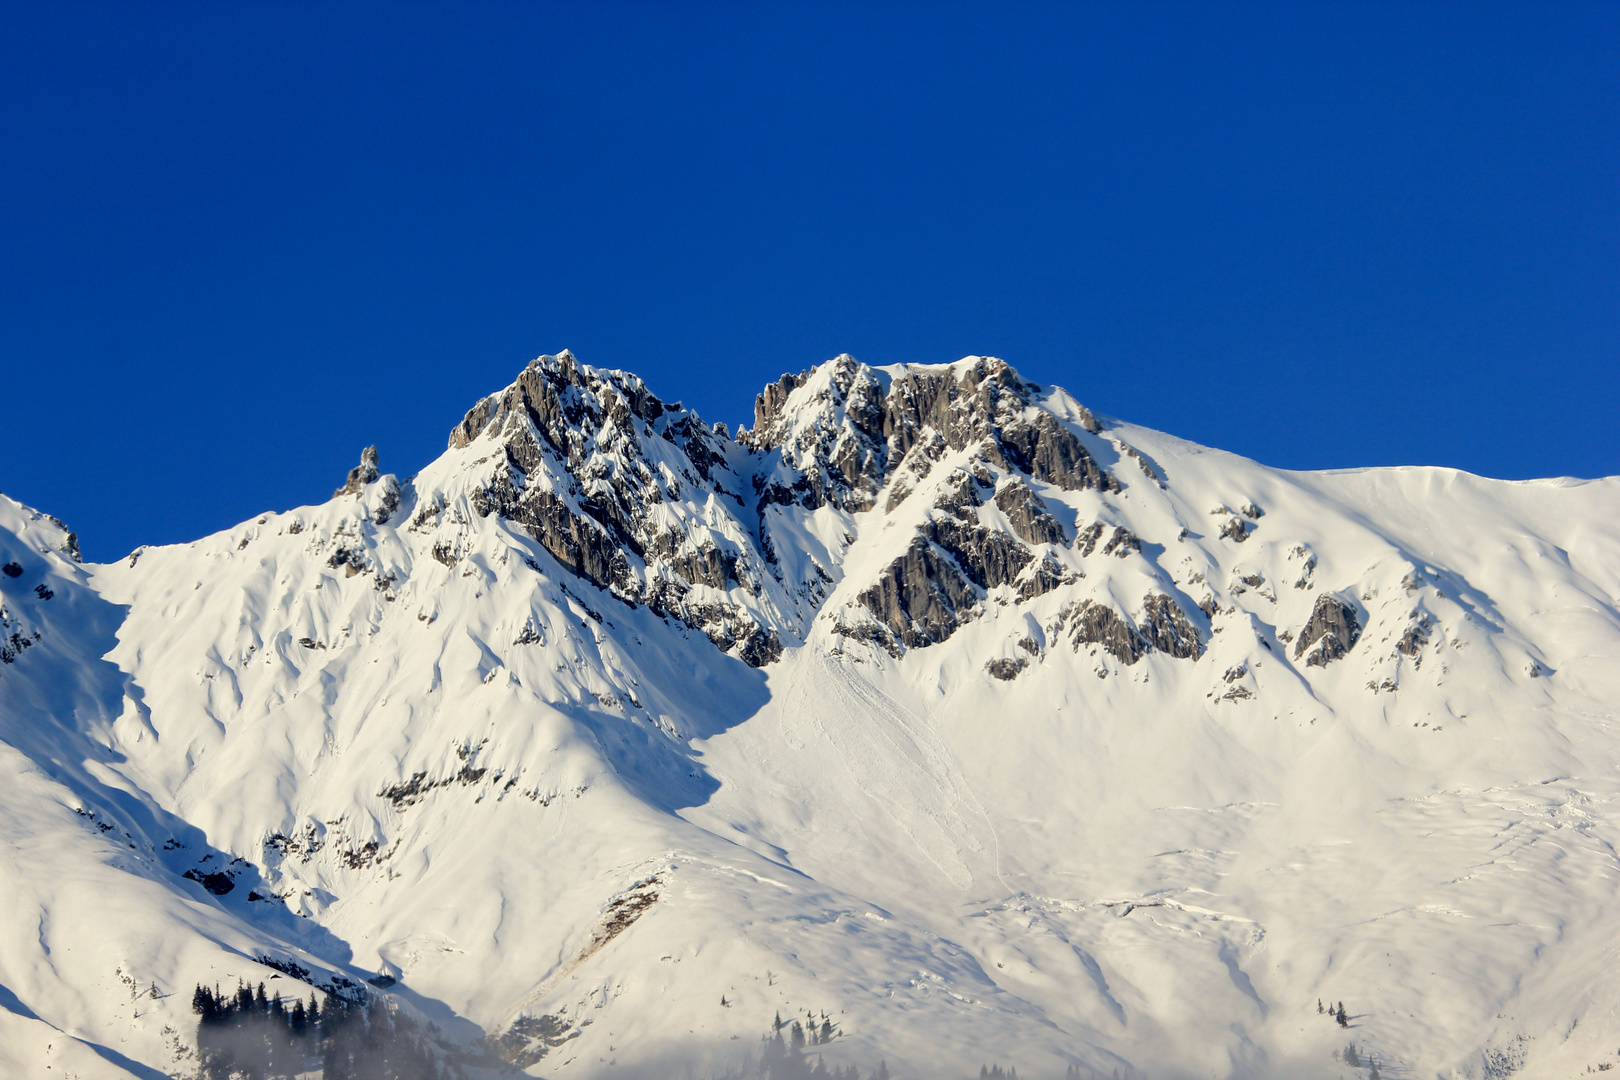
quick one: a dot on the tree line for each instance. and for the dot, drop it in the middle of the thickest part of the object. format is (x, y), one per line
(248, 1035)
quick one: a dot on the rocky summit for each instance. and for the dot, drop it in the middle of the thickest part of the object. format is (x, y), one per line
(932, 713)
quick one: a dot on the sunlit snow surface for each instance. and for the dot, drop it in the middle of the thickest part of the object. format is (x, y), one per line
(461, 772)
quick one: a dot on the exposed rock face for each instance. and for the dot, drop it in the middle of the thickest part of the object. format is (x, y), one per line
(769, 402)
(1167, 628)
(863, 431)
(1162, 626)
(582, 545)
(1122, 543)
(1040, 578)
(590, 462)
(1098, 624)
(832, 438)
(1028, 516)
(989, 404)
(642, 499)
(1330, 633)
(988, 557)
(362, 474)
(921, 596)
(1006, 668)
(1413, 640)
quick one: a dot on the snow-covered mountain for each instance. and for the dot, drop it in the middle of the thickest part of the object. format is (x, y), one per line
(932, 704)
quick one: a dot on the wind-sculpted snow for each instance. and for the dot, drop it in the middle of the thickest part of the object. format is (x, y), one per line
(992, 730)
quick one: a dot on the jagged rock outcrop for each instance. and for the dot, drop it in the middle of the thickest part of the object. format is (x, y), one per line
(1162, 626)
(1041, 577)
(833, 438)
(1006, 668)
(1166, 628)
(1027, 514)
(1330, 633)
(640, 498)
(840, 425)
(1098, 624)
(990, 558)
(362, 474)
(989, 404)
(921, 597)
(1412, 641)
(590, 464)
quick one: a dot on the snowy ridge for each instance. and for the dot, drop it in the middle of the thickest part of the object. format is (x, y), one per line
(995, 730)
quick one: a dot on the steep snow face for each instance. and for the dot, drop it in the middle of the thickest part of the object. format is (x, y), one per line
(993, 729)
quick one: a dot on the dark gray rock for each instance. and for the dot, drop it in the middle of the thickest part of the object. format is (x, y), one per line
(1235, 529)
(1041, 577)
(581, 545)
(836, 442)
(1097, 624)
(1330, 633)
(1163, 627)
(986, 404)
(1413, 640)
(388, 500)
(1166, 628)
(922, 597)
(1122, 542)
(1027, 514)
(989, 558)
(1050, 452)
(1146, 466)
(1006, 668)
(1086, 539)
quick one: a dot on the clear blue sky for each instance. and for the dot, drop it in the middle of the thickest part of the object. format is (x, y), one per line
(238, 242)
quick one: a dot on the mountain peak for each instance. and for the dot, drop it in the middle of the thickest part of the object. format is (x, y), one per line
(930, 702)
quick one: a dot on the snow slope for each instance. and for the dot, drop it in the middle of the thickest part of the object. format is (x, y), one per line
(992, 729)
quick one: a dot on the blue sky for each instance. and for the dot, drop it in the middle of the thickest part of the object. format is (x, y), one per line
(242, 241)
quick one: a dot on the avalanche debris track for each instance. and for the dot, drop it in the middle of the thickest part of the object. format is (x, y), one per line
(996, 729)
